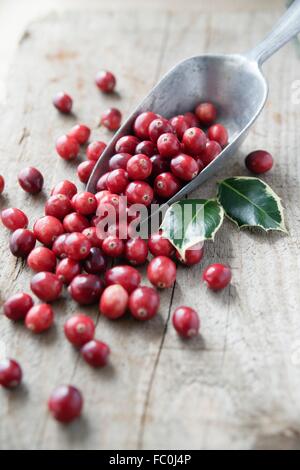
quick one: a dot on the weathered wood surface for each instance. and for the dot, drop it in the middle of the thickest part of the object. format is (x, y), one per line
(237, 385)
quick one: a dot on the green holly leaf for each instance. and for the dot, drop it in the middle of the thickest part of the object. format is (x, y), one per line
(250, 202)
(192, 221)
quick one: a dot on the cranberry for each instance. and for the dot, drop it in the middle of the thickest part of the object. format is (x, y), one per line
(67, 147)
(192, 255)
(10, 373)
(158, 127)
(139, 192)
(180, 125)
(84, 170)
(81, 133)
(218, 133)
(259, 161)
(159, 165)
(41, 259)
(31, 180)
(136, 251)
(96, 262)
(146, 147)
(114, 200)
(119, 161)
(186, 322)
(127, 276)
(67, 269)
(85, 203)
(58, 206)
(126, 144)
(77, 246)
(114, 301)
(217, 276)
(113, 246)
(141, 124)
(95, 150)
(58, 246)
(47, 229)
(75, 222)
(65, 403)
(39, 318)
(211, 151)
(2, 184)
(161, 272)
(91, 234)
(166, 185)
(46, 286)
(14, 218)
(200, 163)
(17, 306)
(158, 245)
(206, 113)
(101, 183)
(105, 81)
(79, 329)
(86, 288)
(139, 167)
(117, 181)
(168, 145)
(63, 102)
(194, 140)
(191, 119)
(184, 167)
(144, 303)
(21, 242)
(95, 353)
(64, 187)
(111, 119)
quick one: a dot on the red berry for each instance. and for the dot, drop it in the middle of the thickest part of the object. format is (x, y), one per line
(2, 184)
(186, 321)
(259, 161)
(192, 255)
(81, 133)
(58, 246)
(194, 140)
(101, 183)
(146, 147)
(111, 119)
(77, 246)
(114, 200)
(217, 276)
(31, 180)
(91, 234)
(118, 161)
(14, 218)
(95, 353)
(65, 403)
(46, 286)
(166, 185)
(139, 167)
(184, 167)
(159, 165)
(67, 147)
(85, 203)
(113, 246)
(84, 170)
(17, 306)
(21, 242)
(161, 272)
(105, 81)
(67, 269)
(200, 163)
(158, 245)
(114, 301)
(86, 289)
(63, 102)
(127, 276)
(218, 133)
(10, 373)
(139, 192)
(47, 229)
(141, 124)
(79, 329)
(126, 144)
(211, 151)
(179, 124)
(96, 262)
(75, 222)
(144, 303)
(136, 251)
(41, 259)
(191, 119)
(168, 145)
(39, 318)
(206, 113)
(95, 150)
(158, 127)
(64, 187)
(58, 206)
(117, 181)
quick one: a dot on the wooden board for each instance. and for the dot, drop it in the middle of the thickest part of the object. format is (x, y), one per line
(237, 385)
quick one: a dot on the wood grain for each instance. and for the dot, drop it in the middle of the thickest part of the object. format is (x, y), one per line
(237, 385)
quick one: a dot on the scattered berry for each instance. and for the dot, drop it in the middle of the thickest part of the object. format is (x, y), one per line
(84, 170)
(160, 246)
(47, 229)
(95, 353)
(14, 218)
(46, 286)
(144, 303)
(17, 306)
(111, 119)
(114, 301)
(161, 272)
(10, 373)
(63, 102)
(192, 255)
(105, 81)
(217, 276)
(41, 259)
(21, 242)
(259, 161)
(67, 147)
(31, 180)
(65, 403)
(39, 318)
(79, 329)
(186, 322)
(81, 133)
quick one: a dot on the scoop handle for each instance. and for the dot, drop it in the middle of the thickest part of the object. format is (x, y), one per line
(284, 30)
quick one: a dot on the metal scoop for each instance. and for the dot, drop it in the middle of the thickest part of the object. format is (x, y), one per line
(234, 82)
